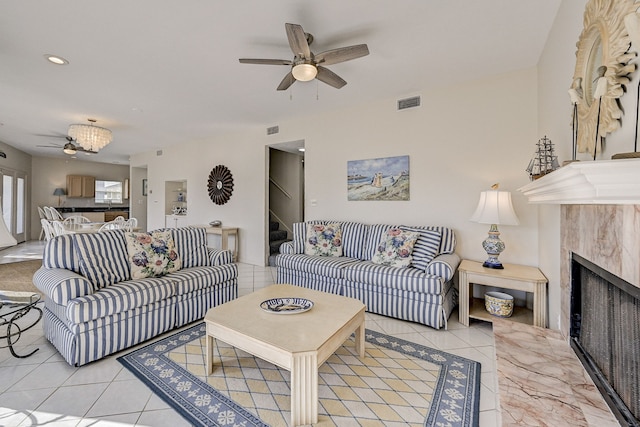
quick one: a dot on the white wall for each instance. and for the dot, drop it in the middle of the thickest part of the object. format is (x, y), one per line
(20, 161)
(137, 201)
(555, 73)
(461, 141)
(16, 160)
(244, 155)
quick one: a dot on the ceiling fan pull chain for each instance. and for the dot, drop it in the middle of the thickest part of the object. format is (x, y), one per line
(317, 91)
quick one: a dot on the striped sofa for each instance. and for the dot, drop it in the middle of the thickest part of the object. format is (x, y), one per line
(424, 295)
(93, 308)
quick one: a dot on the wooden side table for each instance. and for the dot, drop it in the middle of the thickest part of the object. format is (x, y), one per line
(224, 233)
(516, 277)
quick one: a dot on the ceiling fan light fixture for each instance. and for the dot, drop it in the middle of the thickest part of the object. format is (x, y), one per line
(69, 148)
(304, 72)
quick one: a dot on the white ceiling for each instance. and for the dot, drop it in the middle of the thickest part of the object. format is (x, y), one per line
(159, 73)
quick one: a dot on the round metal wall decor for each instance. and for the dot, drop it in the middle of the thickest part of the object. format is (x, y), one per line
(220, 185)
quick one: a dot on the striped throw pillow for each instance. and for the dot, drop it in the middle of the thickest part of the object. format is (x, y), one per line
(425, 248)
(103, 257)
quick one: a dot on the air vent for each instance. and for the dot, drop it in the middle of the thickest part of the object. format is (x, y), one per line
(159, 153)
(412, 102)
(273, 130)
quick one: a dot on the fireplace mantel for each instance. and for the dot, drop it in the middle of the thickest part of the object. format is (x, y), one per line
(601, 182)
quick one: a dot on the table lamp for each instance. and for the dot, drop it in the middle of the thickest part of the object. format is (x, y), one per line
(494, 208)
(59, 192)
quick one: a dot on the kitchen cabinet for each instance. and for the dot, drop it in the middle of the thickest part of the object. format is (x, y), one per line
(175, 221)
(81, 186)
(111, 215)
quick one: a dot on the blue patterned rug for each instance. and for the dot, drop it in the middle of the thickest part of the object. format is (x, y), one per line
(398, 382)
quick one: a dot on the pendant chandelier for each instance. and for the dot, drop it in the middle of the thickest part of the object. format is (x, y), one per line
(90, 137)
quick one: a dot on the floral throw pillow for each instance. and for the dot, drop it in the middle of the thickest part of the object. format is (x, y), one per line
(395, 249)
(152, 254)
(324, 239)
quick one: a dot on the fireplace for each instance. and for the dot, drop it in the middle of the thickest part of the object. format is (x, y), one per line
(605, 334)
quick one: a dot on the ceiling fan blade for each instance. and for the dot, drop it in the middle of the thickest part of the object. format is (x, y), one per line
(50, 146)
(265, 61)
(342, 54)
(298, 41)
(329, 77)
(52, 135)
(287, 81)
(79, 148)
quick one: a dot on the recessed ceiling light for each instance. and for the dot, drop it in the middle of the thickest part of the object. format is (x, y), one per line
(55, 59)
(300, 149)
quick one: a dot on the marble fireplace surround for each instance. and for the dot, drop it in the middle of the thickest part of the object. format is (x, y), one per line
(600, 218)
(540, 379)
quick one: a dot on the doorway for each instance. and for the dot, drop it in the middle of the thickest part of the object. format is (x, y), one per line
(285, 193)
(13, 194)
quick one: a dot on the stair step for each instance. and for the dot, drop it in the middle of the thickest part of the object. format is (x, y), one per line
(274, 225)
(274, 246)
(277, 235)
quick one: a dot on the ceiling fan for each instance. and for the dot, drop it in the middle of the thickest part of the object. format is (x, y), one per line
(306, 66)
(70, 148)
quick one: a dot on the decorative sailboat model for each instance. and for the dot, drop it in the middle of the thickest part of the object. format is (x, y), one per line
(544, 160)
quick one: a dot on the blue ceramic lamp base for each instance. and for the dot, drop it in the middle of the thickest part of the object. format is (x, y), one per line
(493, 246)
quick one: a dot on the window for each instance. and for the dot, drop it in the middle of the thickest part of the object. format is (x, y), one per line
(108, 191)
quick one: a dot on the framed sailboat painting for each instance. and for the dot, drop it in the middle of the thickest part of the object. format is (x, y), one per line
(385, 178)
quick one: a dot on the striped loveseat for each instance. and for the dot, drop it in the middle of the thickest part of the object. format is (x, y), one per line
(422, 292)
(93, 308)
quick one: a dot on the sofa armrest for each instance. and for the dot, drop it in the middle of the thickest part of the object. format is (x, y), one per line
(61, 285)
(444, 265)
(219, 257)
(287, 248)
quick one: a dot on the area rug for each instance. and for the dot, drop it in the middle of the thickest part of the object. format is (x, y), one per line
(397, 383)
(18, 276)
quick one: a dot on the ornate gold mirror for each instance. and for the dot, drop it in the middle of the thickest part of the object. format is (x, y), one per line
(604, 42)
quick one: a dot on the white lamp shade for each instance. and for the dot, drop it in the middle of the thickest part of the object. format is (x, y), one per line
(495, 207)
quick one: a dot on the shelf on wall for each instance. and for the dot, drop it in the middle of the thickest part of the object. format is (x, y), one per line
(588, 182)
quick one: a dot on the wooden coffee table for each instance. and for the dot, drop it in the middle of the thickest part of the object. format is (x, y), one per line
(299, 343)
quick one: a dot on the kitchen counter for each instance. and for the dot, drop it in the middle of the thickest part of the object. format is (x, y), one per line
(70, 209)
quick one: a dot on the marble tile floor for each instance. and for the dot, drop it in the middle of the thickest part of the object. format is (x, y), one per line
(22, 252)
(44, 390)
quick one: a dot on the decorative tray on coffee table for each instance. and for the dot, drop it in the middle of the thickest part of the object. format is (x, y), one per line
(286, 305)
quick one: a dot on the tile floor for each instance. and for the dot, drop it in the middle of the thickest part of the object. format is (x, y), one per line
(44, 390)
